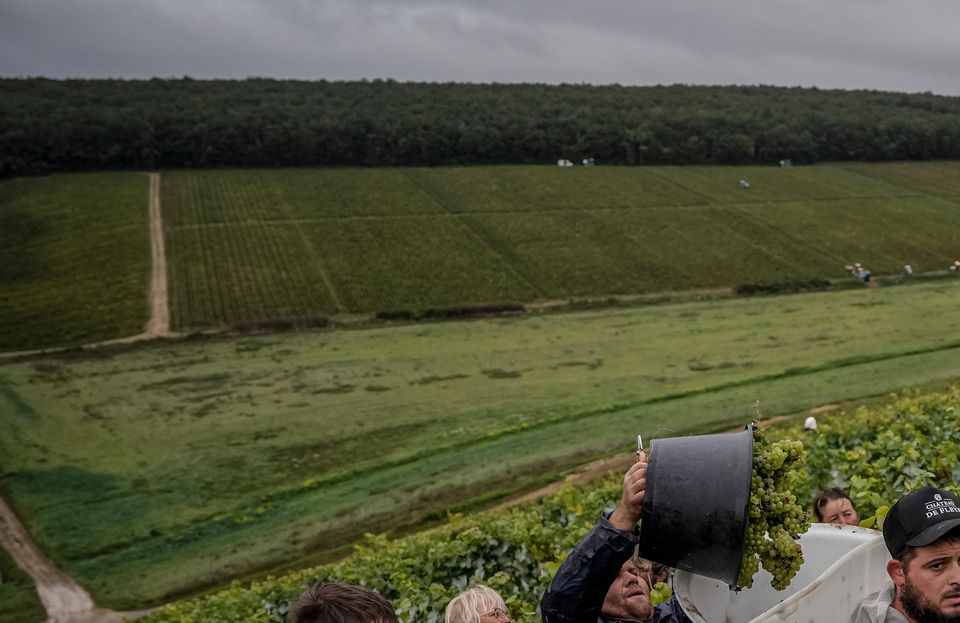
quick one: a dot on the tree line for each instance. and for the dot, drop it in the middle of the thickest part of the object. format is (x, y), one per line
(58, 125)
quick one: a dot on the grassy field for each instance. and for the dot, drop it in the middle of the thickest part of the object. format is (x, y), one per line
(153, 471)
(74, 258)
(932, 178)
(263, 245)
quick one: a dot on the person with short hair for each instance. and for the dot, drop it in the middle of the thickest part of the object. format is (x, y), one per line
(480, 604)
(332, 602)
(922, 534)
(833, 505)
(601, 580)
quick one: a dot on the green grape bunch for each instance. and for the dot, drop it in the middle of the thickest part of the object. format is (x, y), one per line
(660, 593)
(774, 519)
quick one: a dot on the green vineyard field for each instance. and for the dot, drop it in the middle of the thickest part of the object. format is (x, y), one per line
(360, 241)
(262, 245)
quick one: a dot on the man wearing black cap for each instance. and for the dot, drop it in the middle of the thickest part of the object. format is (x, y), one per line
(922, 533)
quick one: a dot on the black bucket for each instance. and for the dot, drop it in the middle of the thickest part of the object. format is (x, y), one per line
(695, 507)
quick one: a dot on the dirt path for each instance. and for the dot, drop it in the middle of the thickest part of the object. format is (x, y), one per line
(602, 467)
(159, 323)
(58, 591)
(64, 600)
(583, 474)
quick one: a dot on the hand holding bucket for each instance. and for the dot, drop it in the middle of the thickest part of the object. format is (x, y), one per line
(628, 511)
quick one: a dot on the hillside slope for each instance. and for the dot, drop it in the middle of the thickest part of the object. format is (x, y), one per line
(264, 245)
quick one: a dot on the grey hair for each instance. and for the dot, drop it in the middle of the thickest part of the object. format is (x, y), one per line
(471, 603)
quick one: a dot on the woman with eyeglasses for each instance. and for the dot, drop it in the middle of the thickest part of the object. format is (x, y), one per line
(480, 604)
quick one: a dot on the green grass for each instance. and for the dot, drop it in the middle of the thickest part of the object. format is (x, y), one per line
(154, 471)
(415, 263)
(772, 184)
(535, 189)
(19, 602)
(595, 252)
(884, 234)
(267, 244)
(74, 258)
(234, 273)
(932, 178)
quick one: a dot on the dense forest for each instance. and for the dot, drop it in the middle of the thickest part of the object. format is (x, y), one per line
(55, 125)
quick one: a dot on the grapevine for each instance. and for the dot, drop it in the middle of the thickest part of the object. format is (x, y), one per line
(775, 519)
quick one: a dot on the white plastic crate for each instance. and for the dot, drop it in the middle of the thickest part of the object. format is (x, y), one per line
(842, 565)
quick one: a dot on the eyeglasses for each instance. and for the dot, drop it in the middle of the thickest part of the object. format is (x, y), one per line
(498, 613)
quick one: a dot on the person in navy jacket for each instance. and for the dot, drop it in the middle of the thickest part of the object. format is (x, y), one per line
(600, 581)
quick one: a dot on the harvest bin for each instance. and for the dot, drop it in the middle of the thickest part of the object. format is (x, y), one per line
(842, 565)
(695, 507)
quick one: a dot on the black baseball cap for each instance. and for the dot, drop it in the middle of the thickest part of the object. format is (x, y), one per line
(919, 518)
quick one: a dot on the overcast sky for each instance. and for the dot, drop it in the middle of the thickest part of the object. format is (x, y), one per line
(897, 45)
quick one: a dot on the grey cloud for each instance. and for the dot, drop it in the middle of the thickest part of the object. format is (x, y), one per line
(882, 44)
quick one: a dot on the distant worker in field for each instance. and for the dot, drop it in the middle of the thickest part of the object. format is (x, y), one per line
(922, 534)
(601, 580)
(955, 266)
(858, 271)
(907, 270)
(810, 424)
(341, 603)
(480, 604)
(833, 505)
(744, 184)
